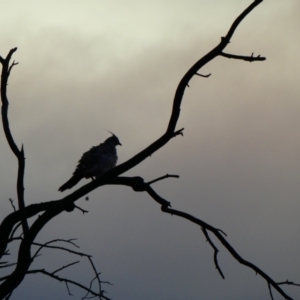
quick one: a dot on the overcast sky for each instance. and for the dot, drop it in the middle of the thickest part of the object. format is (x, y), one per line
(90, 66)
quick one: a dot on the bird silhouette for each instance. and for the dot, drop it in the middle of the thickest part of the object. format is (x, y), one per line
(95, 162)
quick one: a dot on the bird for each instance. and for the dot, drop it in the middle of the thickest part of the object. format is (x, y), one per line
(95, 162)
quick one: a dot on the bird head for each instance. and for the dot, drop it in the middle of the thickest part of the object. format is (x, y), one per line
(113, 139)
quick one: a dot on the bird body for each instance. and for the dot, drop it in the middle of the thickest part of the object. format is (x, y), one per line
(95, 162)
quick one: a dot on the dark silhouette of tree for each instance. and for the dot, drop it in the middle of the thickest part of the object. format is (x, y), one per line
(46, 212)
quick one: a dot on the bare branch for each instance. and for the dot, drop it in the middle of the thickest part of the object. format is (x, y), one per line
(14, 231)
(24, 260)
(215, 252)
(66, 266)
(61, 279)
(10, 68)
(61, 248)
(178, 132)
(96, 272)
(220, 230)
(7, 265)
(12, 204)
(270, 291)
(18, 153)
(239, 19)
(246, 58)
(4, 79)
(288, 283)
(20, 188)
(161, 178)
(205, 76)
(12, 219)
(219, 236)
(69, 292)
(47, 245)
(82, 210)
(228, 246)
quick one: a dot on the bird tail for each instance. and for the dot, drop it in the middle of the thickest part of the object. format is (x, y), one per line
(70, 183)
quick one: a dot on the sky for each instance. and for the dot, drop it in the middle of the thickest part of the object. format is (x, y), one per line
(90, 66)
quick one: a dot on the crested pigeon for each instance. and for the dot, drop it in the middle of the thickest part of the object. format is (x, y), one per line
(95, 162)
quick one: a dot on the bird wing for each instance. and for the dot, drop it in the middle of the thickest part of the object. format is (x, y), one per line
(97, 161)
(85, 168)
(87, 161)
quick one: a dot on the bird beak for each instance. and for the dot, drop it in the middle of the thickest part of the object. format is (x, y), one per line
(120, 144)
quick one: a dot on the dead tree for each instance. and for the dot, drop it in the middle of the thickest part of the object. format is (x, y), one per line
(46, 212)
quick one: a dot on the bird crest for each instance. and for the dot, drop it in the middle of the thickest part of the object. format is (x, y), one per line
(114, 138)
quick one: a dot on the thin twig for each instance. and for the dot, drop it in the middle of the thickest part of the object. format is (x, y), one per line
(61, 279)
(205, 76)
(14, 231)
(12, 204)
(82, 210)
(215, 252)
(47, 245)
(246, 58)
(12, 65)
(270, 290)
(220, 230)
(69, 292)
(162, 177)
(66, 266)
(96, 273)
(97, 276)
(8, 265)
(288, 283)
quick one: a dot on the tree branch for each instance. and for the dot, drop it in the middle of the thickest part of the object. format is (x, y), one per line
(9, 221)
(246, 58)
(66, 266)
(4, 79)
(215, 252)
(47, 245)
(161, 178)
(12, 204)
(228, 246)
(6, 69)
(205, 76)
(137, 183)
(288, 283)
(270, 291)
(56, 277)
(240, 18)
